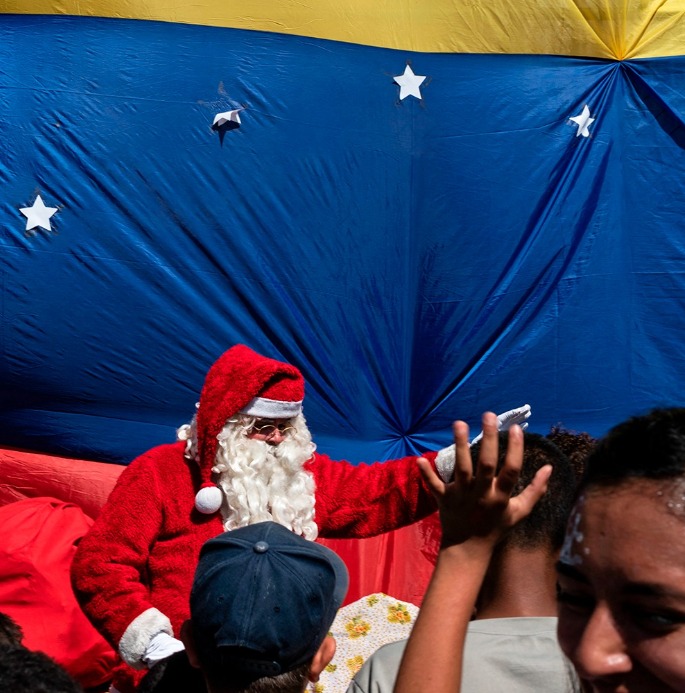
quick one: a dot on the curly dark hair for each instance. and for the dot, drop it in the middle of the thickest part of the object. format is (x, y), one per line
(10, 631)
(576, 446)
(26, 671)
(546, 524)
(651, 446)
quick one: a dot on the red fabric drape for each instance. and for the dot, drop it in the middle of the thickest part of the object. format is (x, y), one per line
(38, 538)
(29, 475)
(397, 563)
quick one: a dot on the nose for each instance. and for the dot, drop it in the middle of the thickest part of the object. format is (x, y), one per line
(600, 649)
(275, 437)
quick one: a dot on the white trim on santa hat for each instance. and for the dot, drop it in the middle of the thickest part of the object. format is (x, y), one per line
(271, 408)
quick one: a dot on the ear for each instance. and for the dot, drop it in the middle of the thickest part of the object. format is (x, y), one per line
(322, 658)
(187, 639)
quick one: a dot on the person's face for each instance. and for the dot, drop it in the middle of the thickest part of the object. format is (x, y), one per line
(622, 588)
(272, 431)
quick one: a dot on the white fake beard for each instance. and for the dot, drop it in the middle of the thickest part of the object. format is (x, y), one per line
(266, 482)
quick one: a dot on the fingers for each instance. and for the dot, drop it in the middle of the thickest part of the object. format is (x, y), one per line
(487, 458)
(513, 462)
(463, 467)
(433, 481)
(530, 495)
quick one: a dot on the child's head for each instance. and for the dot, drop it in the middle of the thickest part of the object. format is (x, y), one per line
(262, 601)
(10, 631)
(622, 568)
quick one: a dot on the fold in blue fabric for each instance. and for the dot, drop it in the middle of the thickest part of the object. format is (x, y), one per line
(418, 260)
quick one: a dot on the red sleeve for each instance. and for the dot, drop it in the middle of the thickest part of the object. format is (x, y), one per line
(368, 499)
(108, 572)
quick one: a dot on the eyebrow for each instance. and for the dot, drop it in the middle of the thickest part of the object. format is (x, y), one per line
(651, 589)
(632, 589)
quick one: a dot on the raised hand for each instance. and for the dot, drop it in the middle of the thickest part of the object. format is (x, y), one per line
(476, 509)
(477, 504)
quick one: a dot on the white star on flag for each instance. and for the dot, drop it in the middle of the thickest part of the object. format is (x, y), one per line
(409, 83)
(38, 214)
(227, 117)
(583, 121)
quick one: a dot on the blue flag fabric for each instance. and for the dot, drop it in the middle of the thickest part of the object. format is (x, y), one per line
(420, 260)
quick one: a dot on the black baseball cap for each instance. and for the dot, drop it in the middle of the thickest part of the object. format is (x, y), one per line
(264, 598)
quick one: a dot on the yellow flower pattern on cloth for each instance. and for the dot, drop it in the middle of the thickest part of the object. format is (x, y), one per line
(355, 664)
(398, 613)
(356, 627)
(360, 629)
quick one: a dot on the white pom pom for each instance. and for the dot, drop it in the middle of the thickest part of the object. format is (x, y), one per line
(208, 499)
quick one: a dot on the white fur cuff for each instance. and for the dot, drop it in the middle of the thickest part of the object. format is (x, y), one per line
(137, 636)
(444, 463)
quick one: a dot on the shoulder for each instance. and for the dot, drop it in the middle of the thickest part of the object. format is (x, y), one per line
(521, 627)
(390, 653)
(516, 655)
(503, 637)
(167, 451)
(162, 462)
(161, 456)
(379, 671)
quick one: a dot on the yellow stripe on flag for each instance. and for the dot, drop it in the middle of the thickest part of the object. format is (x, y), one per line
(614, 29)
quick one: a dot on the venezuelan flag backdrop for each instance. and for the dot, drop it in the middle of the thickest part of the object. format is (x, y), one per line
(432, 207)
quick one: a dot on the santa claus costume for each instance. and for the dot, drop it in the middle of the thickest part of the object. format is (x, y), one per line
(133, 571)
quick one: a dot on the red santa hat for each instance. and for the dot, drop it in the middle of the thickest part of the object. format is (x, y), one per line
(240, 381)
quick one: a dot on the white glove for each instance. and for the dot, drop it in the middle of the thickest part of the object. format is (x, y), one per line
(161, 646)
(508, 419)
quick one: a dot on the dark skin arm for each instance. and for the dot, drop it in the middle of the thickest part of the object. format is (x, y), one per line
(476, 509)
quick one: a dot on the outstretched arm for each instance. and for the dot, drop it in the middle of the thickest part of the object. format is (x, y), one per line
(354, 501)
(476, 509)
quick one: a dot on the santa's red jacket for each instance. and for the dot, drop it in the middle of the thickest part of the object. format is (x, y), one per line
(133, 571)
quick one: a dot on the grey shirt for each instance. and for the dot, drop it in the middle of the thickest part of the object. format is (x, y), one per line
(501, 655)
